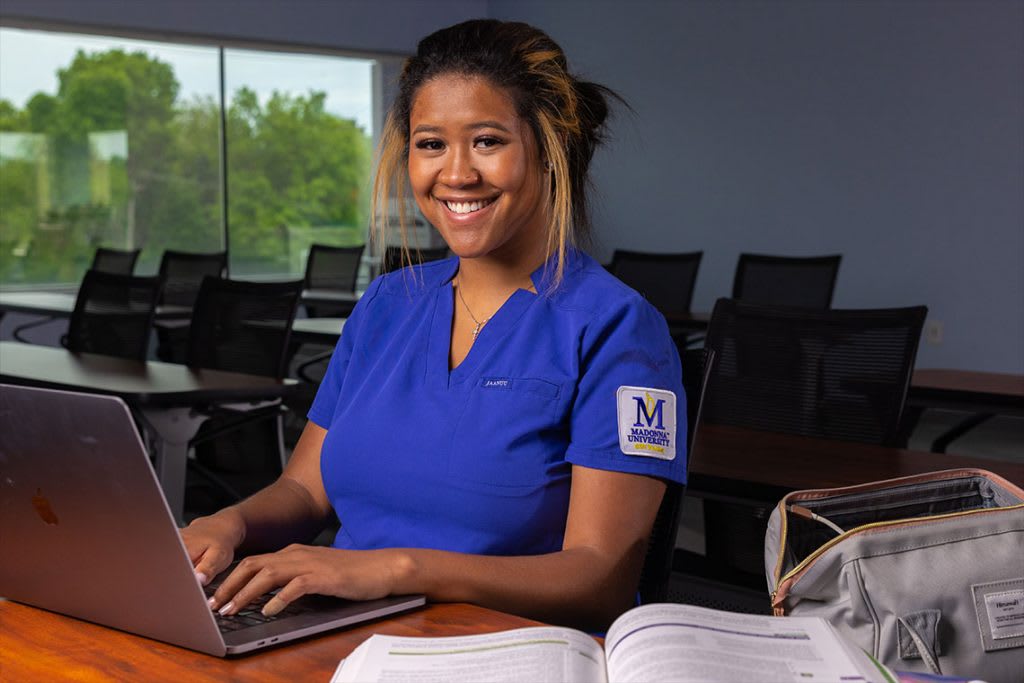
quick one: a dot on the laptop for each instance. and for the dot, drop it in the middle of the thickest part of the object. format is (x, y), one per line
(86, 532)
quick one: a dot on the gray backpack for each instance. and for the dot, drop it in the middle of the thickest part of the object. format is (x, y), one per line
(925, 573)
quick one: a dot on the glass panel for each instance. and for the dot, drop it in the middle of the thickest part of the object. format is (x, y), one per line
(299, 137)
(104, 142)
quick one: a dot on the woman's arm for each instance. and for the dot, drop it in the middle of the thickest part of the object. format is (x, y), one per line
(293, 508)
(588, 583)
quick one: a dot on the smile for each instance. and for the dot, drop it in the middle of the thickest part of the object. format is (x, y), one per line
(467, 207)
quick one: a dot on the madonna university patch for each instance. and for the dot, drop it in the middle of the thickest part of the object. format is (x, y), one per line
(647, 422)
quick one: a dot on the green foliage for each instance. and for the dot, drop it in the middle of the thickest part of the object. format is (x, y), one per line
(11, 119)
(293, 168)
(328, 187)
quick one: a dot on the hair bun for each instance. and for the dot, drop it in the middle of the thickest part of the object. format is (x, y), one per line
(593, 104)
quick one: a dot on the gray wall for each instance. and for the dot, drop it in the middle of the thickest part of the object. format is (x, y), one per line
(370, 25)
(891, 132)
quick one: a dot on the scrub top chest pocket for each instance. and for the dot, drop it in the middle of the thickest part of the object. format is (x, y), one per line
(511, 435)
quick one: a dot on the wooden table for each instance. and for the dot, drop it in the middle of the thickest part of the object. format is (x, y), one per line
(968, 390)
(754, 470)
(36, 645)
(981, 394)
(164, 395)
(749, 464)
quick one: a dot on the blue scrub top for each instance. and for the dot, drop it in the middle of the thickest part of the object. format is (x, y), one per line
(478, 459)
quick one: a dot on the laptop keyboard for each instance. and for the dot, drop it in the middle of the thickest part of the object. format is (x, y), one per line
(251, 615)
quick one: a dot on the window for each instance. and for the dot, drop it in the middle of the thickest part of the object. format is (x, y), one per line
(114, 142)
(299, 156)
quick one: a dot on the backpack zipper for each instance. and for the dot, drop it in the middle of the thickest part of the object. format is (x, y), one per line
(791, 576)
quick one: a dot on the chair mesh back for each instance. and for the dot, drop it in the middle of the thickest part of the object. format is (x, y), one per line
(242, 326)
(113, 315)
(661, 544)
(393, 257)
(115, 260)
(333, 267)
(837, 374)
(182, 273)
(665, 280)
(785, 280)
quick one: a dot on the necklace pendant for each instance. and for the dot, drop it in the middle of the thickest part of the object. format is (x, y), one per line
(476, 330)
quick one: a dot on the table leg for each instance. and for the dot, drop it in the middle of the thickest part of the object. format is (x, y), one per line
(942, 441)
(173, 428)
(24, 327)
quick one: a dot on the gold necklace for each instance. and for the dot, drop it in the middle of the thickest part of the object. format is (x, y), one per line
(479, 325)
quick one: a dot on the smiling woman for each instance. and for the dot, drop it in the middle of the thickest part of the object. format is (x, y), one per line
(476, 431)
(475, 172)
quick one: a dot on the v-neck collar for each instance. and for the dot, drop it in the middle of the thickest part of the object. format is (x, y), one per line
(503, 320)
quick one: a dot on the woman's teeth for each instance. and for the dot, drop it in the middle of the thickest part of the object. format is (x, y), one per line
(467, 207)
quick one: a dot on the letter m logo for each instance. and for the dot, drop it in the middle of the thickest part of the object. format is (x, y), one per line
(648, 411)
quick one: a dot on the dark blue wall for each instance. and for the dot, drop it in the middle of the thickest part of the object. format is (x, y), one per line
(892, 132)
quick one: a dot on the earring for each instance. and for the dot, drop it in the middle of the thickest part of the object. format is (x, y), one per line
(548, 166)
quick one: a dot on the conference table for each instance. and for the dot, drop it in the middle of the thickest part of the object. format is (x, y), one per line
(62, 305)
(983, 395)
(165, 396)
(37, 645)
(317, 330)
(693, 321)
(750, 465)
(49, 306)
(340, 303)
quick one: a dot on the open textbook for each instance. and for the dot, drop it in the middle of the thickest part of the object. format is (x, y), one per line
(652, 643)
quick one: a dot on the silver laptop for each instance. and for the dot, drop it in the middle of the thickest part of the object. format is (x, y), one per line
(86, 532)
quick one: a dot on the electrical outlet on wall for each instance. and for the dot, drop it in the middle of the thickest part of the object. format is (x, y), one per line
(933, 332)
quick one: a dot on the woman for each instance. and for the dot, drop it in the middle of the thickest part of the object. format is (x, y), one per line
(497, 427)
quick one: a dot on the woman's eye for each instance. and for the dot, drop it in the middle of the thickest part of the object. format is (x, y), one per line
(430, 145)
(487, 142)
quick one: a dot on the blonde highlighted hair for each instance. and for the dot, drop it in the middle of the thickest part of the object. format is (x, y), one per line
(566, 115)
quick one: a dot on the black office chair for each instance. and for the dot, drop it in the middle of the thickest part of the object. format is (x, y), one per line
(665, 280)
(113, 315)
(332, 268)
(833, 374)
(239, 327)
(394, 259)
(118, 261)
(786, 280)
(661, 545)
(826, 373)
(182, 273)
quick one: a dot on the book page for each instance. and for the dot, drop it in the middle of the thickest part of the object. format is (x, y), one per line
(668, 642)
(527, 654)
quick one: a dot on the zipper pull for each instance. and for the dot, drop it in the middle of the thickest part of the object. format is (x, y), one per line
(777, 610)
(801, 511)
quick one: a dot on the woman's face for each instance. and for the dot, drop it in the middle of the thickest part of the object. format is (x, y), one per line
(475, 170)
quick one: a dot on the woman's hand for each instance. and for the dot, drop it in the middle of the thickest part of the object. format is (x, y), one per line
(302, 569)
(211, 542)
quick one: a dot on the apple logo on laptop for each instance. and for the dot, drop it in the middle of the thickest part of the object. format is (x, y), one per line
(43, 508)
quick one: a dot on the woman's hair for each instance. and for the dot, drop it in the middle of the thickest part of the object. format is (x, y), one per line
(566, 116)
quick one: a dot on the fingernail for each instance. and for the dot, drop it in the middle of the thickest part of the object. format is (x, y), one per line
(212, 602)
(272, 607)
(226, 608)
(201, 578)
